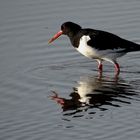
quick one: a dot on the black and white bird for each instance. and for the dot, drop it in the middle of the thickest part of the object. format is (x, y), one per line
(97, 44)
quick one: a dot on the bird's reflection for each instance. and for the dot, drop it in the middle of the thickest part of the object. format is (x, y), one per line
(96, 92)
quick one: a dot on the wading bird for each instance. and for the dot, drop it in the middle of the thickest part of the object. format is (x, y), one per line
(97, 44)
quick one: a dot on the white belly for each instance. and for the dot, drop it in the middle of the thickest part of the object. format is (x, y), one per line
(90, 52)
(85, 49)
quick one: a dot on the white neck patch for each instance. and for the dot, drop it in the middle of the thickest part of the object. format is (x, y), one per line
(85, 49)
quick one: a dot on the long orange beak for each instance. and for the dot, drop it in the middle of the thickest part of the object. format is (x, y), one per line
(55, 36)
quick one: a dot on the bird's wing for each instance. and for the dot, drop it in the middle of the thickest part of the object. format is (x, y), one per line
(103, 40)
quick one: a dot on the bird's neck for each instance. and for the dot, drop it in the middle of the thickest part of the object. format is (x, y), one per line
(74, 38)
(75, 41)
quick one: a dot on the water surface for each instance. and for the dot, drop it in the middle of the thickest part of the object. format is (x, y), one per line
(88, 106)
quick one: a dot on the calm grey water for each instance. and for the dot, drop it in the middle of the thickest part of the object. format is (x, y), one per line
(30, 70)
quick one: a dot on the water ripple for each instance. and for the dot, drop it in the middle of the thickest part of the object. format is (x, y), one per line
(95, 107)
(98, 93)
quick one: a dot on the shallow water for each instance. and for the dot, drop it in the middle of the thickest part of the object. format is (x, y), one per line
(31, 70)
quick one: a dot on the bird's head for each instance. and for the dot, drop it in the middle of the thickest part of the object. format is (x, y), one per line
(67, 28)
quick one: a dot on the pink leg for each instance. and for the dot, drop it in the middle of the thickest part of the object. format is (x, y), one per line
(117, 67)
(100, 66)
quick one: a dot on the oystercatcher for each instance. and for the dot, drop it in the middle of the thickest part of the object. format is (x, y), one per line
(97, 44)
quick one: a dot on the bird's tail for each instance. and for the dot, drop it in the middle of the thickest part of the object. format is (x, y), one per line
(135, 47)
(131, 46)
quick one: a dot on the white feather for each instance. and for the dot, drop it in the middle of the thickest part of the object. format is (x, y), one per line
(85, 49)
(108, 55)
